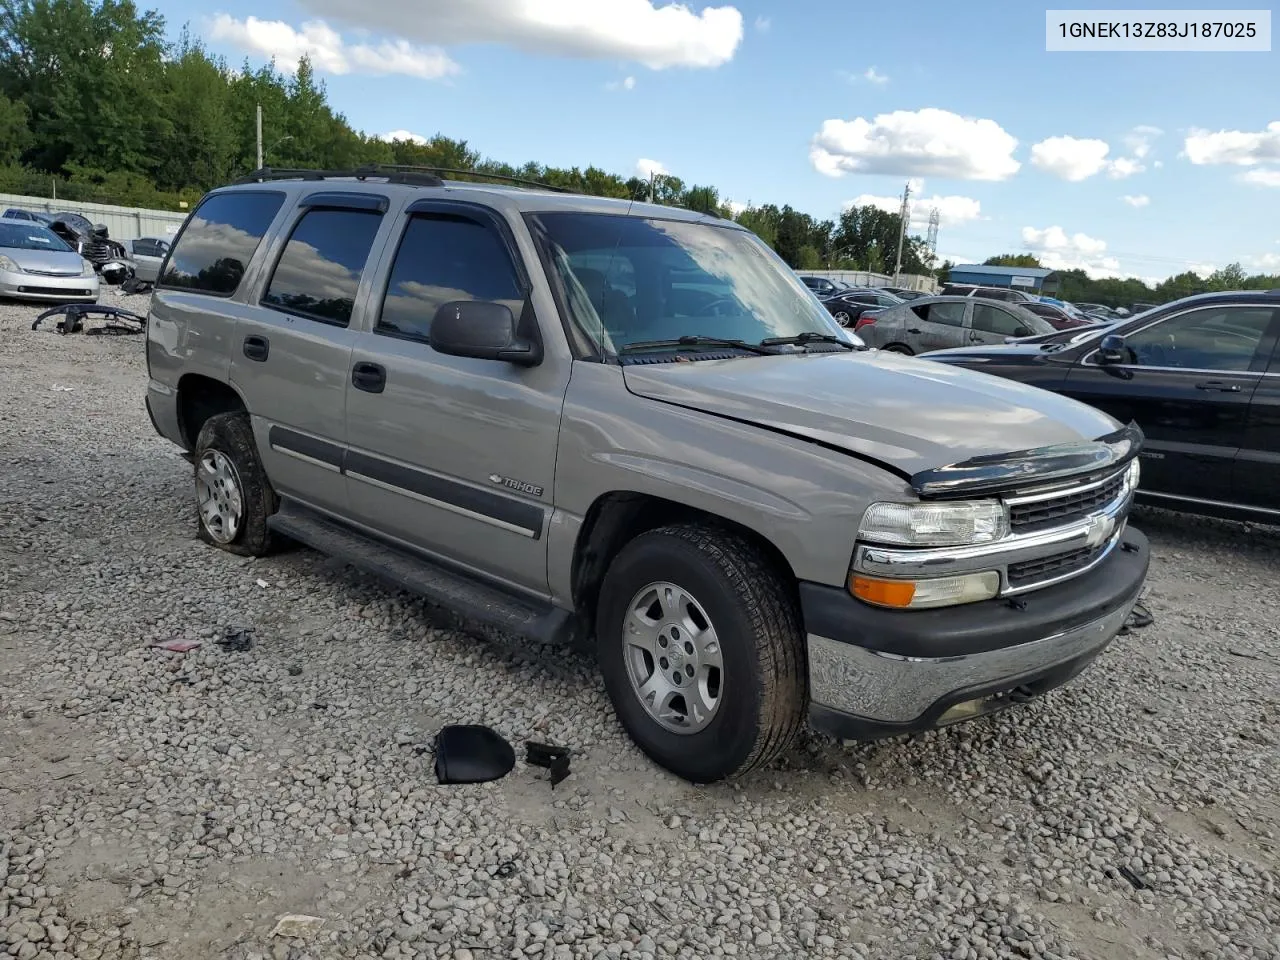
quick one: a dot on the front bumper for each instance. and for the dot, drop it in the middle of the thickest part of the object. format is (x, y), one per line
(31, 286)
(875, 673)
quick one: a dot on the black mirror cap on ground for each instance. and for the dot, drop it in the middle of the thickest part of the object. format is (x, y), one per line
(472, 754)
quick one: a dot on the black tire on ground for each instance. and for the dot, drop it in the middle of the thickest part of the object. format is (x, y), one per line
(900, 348)
(764, 684)
(232, 435)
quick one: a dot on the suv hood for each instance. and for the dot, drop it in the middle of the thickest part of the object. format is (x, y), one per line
(912, 415)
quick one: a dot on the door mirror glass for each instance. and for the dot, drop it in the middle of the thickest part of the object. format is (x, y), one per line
(482, 330)
(1113, 349)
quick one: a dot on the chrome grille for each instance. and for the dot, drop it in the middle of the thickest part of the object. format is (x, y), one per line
(54, 273)
(1053, 567)
(1043, 512)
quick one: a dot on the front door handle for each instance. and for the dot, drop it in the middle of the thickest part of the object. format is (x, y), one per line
(369, 377)
(914, 330)
(1219, 386)
(257, 348)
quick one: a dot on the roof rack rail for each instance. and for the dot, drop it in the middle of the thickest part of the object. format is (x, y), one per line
(359, 173)
(395, 173)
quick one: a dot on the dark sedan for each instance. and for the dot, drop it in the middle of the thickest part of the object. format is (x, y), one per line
(1200, 376)
(1059, 318)
(848, 306)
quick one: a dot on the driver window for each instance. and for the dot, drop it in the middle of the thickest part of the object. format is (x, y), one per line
(991, 319)
(1214, 338)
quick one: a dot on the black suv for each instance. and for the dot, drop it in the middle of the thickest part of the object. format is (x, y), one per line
(1200, 376)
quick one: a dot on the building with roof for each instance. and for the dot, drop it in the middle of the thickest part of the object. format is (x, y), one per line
(1035, 280)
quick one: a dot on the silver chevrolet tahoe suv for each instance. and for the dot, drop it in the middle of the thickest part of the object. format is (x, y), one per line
(584, 419)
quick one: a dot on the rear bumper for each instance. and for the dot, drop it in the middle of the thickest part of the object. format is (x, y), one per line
(162, 408)
(875, 673)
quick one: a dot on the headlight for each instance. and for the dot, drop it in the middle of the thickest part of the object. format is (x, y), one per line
(922, 594)
(1132, 476)
(935, 524)
(7, 264)
(86, 270)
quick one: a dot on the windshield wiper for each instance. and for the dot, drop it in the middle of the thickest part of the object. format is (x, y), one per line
(693, 340)
(809, 336)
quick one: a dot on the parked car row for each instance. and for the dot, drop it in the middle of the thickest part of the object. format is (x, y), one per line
(1200, 376)
(60, 257)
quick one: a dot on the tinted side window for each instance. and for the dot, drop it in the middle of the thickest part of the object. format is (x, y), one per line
(991, 319)
(319, 271)
(219, 241)
(1215, 338)
(952, 314)
(145, 248)
(442, 259)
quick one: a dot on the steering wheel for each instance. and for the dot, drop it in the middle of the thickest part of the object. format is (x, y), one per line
(717, 307)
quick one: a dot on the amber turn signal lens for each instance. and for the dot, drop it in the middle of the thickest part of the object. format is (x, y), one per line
(885, 593)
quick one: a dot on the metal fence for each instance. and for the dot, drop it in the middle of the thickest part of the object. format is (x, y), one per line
(123, 223)
(863, 278)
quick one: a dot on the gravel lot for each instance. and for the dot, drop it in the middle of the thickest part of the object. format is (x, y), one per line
(165, 805)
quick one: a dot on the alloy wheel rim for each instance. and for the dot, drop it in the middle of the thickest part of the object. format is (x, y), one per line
(219, 496)
(673, 657)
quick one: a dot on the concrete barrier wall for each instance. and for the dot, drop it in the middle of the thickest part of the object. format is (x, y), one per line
(862, 278)
(123, 223)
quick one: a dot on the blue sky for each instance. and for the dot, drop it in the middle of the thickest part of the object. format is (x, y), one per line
(769, 101)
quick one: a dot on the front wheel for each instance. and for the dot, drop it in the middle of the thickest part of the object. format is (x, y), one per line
(702, 652)
(899, 348)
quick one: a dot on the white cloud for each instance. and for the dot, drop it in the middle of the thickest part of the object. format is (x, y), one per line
(1141, 200)
(763, 24)
(1070, 158)
(328, 51)
(1236, 147)
(404, 135)
(1122, 167)
(879, 79)
(1075, 159)
(952, 211)
(1265, 263)
(1158, 164)
(734, 206)
(1262, 177)
(1059, 251)
(637, 31)
(626, 83)
(928, 142)
(647, 168)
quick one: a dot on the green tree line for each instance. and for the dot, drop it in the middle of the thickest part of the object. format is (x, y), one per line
(1076, 285)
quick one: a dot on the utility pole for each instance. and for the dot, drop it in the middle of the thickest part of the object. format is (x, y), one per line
(902, 230)
(259, 166)
(653, 177)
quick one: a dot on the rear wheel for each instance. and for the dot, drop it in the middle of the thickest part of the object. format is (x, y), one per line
(900, 348)
(233, 497)
(702, 652)
(843, 318)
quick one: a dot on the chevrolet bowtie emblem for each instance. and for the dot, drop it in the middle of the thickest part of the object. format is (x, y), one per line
(1099, 530)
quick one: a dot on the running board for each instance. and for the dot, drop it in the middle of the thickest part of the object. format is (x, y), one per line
(464, 594)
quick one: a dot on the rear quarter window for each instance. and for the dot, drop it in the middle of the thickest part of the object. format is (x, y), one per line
(215, 247)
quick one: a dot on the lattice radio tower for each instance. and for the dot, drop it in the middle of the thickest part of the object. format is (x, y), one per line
(935, 218)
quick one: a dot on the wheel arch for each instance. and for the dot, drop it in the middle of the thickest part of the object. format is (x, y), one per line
(201, 397)
(616, 518)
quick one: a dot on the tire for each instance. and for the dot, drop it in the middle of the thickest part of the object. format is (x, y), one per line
(900, 348)
(842, 318)
(760, 686)
(226, 444)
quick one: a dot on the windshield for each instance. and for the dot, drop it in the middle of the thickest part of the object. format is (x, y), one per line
(26, 235)
(630, 280)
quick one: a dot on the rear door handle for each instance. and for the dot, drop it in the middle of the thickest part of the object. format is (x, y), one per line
(914, 330)
(1219, 386)
(369, 377)
(257, 348)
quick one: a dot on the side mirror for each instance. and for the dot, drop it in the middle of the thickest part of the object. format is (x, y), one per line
(484, 331)
(1112, 349)
(1021, 332)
